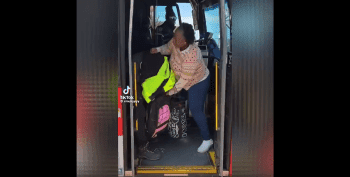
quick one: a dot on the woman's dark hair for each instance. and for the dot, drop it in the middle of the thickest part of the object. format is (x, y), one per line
(188, 32)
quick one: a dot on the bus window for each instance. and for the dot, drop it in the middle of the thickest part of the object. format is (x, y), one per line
(212, 18)
(228, 27)
(213, 23)
(186, 15)
(164, 28)
(160, 15)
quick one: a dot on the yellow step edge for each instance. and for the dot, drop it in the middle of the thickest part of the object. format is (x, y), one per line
(212, 156)
(177, 171)
(177, 168)
(180, 169)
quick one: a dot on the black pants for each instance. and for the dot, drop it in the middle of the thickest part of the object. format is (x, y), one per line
(142, 136)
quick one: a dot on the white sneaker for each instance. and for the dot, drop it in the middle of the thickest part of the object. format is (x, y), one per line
(205, 146)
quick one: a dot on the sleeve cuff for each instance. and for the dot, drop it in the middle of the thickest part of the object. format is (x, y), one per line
(172, 91)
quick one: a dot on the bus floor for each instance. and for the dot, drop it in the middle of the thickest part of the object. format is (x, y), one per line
(179, 151)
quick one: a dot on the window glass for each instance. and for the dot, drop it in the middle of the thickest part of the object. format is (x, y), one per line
(213, 23)
(185, 11)
(212, 17)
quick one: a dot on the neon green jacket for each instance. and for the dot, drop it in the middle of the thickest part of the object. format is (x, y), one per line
(153, 83)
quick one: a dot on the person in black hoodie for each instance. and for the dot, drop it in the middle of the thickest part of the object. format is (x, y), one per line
(141, 34)
(167, 28)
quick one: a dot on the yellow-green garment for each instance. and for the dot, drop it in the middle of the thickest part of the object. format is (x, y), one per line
(151, 84)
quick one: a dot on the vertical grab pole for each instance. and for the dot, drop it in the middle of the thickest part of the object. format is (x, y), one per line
(216, 96)
(230, 172)
(135, 83)
(131, 88)
(223, 81)
(135, 94)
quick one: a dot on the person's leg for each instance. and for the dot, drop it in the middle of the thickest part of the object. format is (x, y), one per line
(140, 115)
(196, 98)
(141, 134)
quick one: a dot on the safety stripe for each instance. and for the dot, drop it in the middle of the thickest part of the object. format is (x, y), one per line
(231, 157)
(120, 136)
(120, 155)
(120, 119)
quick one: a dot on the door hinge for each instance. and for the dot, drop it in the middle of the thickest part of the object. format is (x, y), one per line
(230, 61)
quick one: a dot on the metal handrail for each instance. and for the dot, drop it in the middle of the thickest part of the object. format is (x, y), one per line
(216, 96)
(223, 85)
(135, 94)
(131, 88)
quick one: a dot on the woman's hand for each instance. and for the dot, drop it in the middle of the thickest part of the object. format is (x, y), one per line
(153, 51)
(170, 92)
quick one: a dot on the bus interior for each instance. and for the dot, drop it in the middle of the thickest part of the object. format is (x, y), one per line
(179, 155)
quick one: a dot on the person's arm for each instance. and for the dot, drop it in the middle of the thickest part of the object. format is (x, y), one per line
(178, 86)
(166, 48)
(189, 67)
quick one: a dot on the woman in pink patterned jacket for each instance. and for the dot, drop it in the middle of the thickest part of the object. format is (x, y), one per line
(192, 74)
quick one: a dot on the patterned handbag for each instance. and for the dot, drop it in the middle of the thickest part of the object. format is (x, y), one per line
(177, 125)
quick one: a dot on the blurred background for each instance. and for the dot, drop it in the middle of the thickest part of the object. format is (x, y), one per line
(97, 80)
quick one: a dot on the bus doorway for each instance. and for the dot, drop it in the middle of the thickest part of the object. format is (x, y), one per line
(179, 155)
